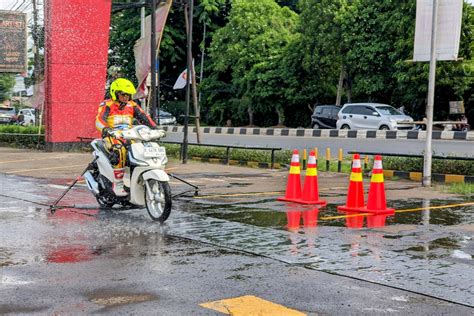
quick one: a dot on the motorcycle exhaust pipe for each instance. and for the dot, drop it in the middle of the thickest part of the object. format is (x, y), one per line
(91, 183)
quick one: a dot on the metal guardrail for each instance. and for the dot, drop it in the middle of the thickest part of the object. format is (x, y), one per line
(409, 155)
(20, 134)
(228, 148)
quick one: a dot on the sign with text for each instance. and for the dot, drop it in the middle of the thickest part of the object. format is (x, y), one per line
(13, 36)
(456, 107)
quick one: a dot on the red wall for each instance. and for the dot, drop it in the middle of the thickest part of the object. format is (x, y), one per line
(76, 42)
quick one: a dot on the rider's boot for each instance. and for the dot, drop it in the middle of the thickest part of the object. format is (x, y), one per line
(117, 186)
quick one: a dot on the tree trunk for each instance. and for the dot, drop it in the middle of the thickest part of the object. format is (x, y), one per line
(339, 86)
(250, 112)
(348, 85)
(281, 115)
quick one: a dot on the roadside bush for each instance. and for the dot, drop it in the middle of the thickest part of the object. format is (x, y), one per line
(442, 166)
(22, 136)
(282, 156)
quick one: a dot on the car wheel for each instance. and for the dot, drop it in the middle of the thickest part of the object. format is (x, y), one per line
(316, 126)
(384, 128)
(345, 126)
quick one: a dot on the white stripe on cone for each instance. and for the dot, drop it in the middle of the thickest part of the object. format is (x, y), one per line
(356, 163)
(378, 164)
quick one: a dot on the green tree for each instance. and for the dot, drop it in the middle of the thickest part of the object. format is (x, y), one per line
(245, 53)
(7, 82)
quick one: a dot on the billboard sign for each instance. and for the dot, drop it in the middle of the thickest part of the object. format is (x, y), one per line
(13, 37)
(448, 29)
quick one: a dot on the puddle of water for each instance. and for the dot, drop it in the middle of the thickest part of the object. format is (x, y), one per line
(267, 213)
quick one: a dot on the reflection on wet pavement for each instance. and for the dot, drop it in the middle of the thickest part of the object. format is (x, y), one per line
(428, 251)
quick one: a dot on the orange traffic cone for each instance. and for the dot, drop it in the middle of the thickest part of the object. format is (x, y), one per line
(293, 186)
(310, 188)
(355, 193)
(376, 202)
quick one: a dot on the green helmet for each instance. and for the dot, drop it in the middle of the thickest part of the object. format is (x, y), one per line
(122, 85)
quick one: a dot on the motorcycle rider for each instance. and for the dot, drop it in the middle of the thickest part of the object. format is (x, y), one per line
(115, 114)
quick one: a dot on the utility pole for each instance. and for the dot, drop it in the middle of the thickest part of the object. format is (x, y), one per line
(184, 153)
(426, 181)
(201, 73)
(194, 86)
(153, 60)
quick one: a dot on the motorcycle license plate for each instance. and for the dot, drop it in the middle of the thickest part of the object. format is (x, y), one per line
(154, 152)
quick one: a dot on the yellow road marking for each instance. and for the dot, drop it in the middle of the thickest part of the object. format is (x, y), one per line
(250, 305)
(48, 168)
(23, 160)
(434, 207)
(250, 194)
(399, 211)
(238, 194)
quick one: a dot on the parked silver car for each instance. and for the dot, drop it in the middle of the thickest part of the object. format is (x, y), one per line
(167, 118)
(372, 116)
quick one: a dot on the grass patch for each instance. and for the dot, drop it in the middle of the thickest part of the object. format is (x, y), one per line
(460, 188)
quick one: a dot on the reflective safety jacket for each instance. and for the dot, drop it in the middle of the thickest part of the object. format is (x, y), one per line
(110, 115)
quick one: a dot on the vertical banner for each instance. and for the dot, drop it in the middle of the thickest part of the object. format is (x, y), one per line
(13, 36)
(142, 49)
(448, 32)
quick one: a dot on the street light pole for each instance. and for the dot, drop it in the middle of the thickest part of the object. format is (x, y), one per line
(426, 181)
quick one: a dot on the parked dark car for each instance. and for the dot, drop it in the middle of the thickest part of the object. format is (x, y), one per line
(324, 116)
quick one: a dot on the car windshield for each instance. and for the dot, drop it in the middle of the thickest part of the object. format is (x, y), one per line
(163, 113)
(388, 110)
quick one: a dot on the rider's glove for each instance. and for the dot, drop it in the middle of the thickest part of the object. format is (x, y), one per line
(106, 131)
(161, 133)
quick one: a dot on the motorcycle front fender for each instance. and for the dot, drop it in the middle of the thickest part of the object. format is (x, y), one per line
(157, 174)
(137, 190)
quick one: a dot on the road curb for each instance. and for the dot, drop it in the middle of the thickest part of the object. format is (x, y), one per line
(242, 163)
(414, 176)
(326, 133)
(436, 177)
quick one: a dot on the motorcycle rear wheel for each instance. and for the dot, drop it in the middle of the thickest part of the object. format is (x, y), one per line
(158, 200)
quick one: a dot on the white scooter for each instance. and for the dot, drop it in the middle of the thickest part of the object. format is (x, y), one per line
(145, 180)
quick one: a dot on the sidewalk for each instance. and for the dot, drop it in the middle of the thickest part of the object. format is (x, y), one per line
(63, 167)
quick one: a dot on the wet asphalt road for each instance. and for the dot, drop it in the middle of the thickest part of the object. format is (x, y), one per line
(213, 247)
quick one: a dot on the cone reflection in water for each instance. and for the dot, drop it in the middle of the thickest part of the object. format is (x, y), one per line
(310, 218)
(310, 189)
(376, 202)
(354, 220)
(355, 193)
(376, 221)
(293, 217)
(293, 186)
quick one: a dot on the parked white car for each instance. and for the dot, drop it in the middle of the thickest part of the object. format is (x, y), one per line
(372, 116)
(29, 117)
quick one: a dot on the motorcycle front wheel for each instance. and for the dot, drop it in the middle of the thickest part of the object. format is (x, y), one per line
(158, 199)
